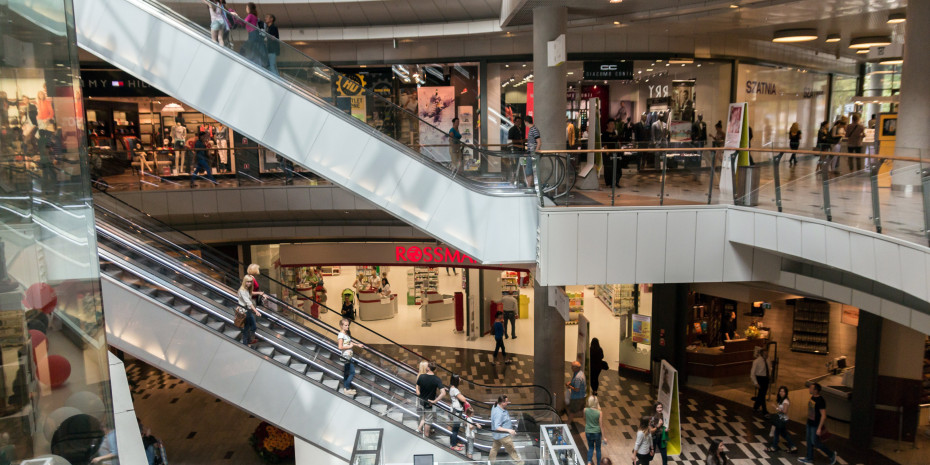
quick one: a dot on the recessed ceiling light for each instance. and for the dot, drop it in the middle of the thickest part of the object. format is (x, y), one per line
(616, 23)
(795, 35)
(832, 38)
(616, 1)
(896, 18)
(648, 69)
(733, 5)
(862, 51)
(892, 61)
(570, 73)
(681, 61)
(524, 65)
(506, 66)
(871, 41)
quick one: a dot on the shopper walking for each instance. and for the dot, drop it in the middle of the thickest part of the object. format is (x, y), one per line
(816, 425)
(502, 431)
(577, 387)
(642, 448)
(499, 338)
(429, 391)
(760, 379)
(201, 159)
(659, 432)
(254, 271)
(597, 364)
(455, 149)
(347, 348)
(610, 139)
(247, 307)
(592, 429)
(218, 25)
(855, 133)
(532, 144)
(459, 403)
(837, 134)
(509, 304)
(794, 141)
(717, 453)
(517, 136)
(272, 42)
(780, 422)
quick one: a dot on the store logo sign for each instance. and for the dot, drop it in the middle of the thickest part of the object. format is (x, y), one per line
(430, 255)
(658, 91)
(759, 87)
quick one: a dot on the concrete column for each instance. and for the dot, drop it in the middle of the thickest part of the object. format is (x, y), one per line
(491, 121)
(548, 346)
(548, 83)
(913, 138)
(865, 379)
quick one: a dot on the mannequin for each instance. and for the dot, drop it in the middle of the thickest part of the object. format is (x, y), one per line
(179, 138)
(699, 131)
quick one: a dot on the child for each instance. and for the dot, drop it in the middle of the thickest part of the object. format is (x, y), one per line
(470, 427)
(348, 305)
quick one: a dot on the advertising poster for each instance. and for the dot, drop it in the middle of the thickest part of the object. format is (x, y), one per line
(679, 131)
(436, 106)
(622, 110)
(642, 329)
(358, 106)
(583, 332)
(668, 396)
(736, 132)
(467, 128)
(682, 101)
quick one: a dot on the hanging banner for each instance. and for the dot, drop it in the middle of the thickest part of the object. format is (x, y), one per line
(436, 106)
(358, 107)
(668, 396)
(642, 329)
(467, 127)
(583, 333)
(683, 101)
(737, 131)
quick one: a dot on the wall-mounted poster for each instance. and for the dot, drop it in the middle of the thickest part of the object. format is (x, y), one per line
(683, 101)
(467, 128)
(622, 110)
(436, 106)
(679, 131)
(642, 329)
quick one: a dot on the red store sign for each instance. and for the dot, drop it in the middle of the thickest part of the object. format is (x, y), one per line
(437, 254)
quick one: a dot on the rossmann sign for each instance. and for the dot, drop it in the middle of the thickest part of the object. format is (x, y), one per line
(417, 254)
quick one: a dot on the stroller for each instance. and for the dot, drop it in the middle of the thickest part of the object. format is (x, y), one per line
(348, 304)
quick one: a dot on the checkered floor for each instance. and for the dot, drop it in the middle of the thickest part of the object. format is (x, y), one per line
(623, 401)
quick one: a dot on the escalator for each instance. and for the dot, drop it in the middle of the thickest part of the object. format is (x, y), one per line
(171, 308)
(405, 167)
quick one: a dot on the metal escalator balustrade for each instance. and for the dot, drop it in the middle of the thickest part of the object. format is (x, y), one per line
(281, 341)
(115, 217)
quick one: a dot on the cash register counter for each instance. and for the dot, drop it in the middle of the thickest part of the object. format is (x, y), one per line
(371, 306)
(437, 307)
(709, 366)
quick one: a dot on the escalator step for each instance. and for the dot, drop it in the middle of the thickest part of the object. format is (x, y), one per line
(379, 407)
(218, 326)
(299, 367)
(282, 358)
(412, 424)
(364, 400)
(331, 383)
(198, 316)
(315, 375)
(232, 332)
(265, 350)
(294, 338)
(395, 415)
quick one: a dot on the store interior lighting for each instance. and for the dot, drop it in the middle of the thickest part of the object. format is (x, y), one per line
(892, 61)
(794, 35)
(870, 41)
(616, 1)
(896, 18)
(862, 51)
(833, 38)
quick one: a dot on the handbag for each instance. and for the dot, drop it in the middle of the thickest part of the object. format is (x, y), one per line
(240, 320)
(347, 355)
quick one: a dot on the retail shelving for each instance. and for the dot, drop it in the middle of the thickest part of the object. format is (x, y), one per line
(331, 270)
(811, 327)
(369, 276)
(421, 277)
(510, 282)
(619, 298)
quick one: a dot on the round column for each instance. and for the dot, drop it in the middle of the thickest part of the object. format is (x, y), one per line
(913, 138)
(549, 85)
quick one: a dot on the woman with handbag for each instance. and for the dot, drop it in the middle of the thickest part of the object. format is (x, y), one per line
(346, 345)
(597, 364)
(642, 449)
(659, 432)
(246, 311)
(780, 421)
(592, 429)
(459, 405)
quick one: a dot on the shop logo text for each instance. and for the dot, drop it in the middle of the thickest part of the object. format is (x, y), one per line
(759, 87)
(430, 254)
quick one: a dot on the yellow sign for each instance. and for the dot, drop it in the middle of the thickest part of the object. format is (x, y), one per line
(886, 133)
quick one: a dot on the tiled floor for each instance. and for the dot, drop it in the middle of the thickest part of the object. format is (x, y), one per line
(218, 432)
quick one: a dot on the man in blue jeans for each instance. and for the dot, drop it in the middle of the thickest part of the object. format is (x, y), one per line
(499, 338)
(201, 160)
(816, 419)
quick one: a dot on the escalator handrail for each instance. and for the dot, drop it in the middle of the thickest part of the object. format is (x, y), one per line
(202, 305)
(317, 321)
(157, 8)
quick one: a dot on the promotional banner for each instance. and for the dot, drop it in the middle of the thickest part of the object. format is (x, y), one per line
(683, 101)
(436, 106)
(358, 106)
(668, 396)
(737, 135)
(583, 332)
(467, 128)
(642, 329)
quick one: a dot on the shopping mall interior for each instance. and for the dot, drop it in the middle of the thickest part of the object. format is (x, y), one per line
(253, 233)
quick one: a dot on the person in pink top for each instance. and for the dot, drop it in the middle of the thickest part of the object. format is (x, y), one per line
(254, 48)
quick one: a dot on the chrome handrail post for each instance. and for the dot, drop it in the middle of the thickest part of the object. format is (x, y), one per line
(874, 167)
(664, 157)
(776, 164)
(710, 188)
(825, 179)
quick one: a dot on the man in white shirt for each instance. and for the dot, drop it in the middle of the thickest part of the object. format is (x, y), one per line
(760, 378)
(509, 304)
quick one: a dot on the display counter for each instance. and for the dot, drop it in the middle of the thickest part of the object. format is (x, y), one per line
(371, 306)
(837, 390)
(710, 366)
(438, 307)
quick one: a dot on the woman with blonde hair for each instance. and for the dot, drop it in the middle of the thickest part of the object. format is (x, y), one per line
(254, 271)
(592, 429)
(247, 307)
